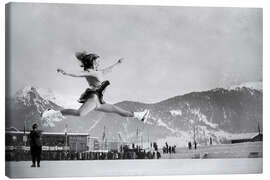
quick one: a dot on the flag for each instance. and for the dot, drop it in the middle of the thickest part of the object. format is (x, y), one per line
(119, 135)
(104, 134)
(259, 129)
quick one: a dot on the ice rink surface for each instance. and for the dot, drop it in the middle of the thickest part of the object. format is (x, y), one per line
(134, 167)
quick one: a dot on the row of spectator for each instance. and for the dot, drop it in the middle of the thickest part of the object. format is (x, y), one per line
(21, 155)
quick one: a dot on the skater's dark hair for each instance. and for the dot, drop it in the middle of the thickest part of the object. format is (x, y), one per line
(34, 126)
(86, 59)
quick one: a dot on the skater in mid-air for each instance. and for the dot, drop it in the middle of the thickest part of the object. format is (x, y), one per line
(92, 98)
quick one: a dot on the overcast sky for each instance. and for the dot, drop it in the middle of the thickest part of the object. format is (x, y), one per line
(168, 51)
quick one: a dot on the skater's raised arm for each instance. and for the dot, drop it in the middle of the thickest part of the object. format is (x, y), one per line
(80, 74)
(109, 69)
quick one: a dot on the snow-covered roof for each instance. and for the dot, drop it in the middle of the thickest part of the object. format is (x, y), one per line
(243, 136)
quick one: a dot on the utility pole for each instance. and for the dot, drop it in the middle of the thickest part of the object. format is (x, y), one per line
(66, 138)
(104, 137)
(194, 138)
(137, 136)
(259, 129)
(148, 141)
(142, 141)
(24, 134)
(194, 133)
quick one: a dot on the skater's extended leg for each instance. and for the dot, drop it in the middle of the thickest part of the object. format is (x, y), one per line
(51, 115)
(70, 112)
(94, 104)
(109, 108)
(88, 106)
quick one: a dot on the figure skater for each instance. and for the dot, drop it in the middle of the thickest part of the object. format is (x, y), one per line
(92, 98)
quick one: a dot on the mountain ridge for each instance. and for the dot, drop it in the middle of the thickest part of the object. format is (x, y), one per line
(217, 113)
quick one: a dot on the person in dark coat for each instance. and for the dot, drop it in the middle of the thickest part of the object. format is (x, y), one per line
(35, 145)
(189, 145)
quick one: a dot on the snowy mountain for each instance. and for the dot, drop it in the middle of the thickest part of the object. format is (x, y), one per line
(27, 107)
(219, 113)
(64, 101)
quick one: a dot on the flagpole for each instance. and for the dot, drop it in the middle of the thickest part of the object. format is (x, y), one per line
(66, 126)
(103, 137)
(24, 133)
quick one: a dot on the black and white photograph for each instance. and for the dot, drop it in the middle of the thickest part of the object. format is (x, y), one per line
(132, 90)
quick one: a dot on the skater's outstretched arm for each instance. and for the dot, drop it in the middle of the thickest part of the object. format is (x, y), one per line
(109, 69)
(81, 74)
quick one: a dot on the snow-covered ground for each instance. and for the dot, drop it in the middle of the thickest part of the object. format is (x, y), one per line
(133, 167)
(232, 158)
(238, 150)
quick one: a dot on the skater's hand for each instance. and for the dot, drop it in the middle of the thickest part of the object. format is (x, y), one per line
(61, 71)
(109, 69)
(120, 60)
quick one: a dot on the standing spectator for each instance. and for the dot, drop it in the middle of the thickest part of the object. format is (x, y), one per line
(195, 144)
(121, 148)
(167, 147)
(35, 145)
(173, 149)
(158, 155)
(155, 146)
(211, 141)
(189, 145)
